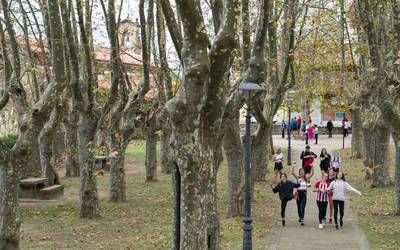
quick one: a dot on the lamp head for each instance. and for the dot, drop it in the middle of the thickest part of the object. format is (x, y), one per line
(246, 89)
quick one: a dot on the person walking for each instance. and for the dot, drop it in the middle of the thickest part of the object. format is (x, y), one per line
(325, 161)
(329, 126)
(285, 189)
(321, 187)
(299, 124)
(303, 129)
(331, 178)
(336, 162)
(301, 194)
(339, 188)
(284, 127)
(310, 133)
(307, 157)
(278, 158)
(316, 133)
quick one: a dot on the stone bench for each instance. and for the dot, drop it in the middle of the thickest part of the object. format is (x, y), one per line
(29, 188)
(101, 162)
(51, 192)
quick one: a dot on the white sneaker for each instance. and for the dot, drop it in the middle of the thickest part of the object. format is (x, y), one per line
(321, 226)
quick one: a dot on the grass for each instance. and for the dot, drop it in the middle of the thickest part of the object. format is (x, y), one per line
(143, 222)
(375, 209)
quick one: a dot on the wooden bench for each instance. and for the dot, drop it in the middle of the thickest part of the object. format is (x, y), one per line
(29, 188)
(51, 192)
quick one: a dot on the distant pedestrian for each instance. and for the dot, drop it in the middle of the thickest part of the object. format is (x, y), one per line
(301, 194)
(331, 177)
(285, 189)
(325, 161)
(339, 188)
(278, 158)
(299, 124)
(307, 157)
(316, 133)
(310, 133)
(303, 130)
(336, 162)
(321, 187)
(284, 127)
(329, 126)
(345, 127)
(293, 124)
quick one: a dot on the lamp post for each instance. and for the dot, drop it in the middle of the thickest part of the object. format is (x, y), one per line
(247, 89)
(289, 99)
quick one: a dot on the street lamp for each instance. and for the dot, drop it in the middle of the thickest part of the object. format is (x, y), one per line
(289, 99)
(246, 90)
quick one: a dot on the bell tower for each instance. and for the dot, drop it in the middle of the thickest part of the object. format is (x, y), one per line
(129, 36)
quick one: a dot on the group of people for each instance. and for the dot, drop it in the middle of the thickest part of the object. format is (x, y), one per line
(331, 187)
(308, 131)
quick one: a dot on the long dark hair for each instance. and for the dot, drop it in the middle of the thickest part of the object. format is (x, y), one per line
(343, 178)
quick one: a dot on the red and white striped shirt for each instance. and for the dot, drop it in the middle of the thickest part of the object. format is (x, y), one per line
(322, 194)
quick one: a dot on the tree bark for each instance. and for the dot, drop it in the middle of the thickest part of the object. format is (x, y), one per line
(71, 144)
(165, 151)
(151, 150)
(357, 133)
(380, 176)
(88, 197)
(9, 216)
(233, 147)
(397, 176)
(259, 152)
(46, 150)
(117, 169)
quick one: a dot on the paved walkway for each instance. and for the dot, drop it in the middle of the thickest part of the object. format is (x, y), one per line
(309, 236)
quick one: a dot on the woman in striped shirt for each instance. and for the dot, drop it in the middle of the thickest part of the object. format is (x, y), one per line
(321, 187)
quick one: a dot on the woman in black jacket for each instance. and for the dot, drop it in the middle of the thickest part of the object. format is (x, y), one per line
(285, 189)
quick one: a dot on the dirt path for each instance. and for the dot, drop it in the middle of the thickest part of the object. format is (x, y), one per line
(294, 236)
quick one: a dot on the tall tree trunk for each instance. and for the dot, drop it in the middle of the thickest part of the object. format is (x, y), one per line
(369, 148)
(9, 217)
(259, 152)
(117, 169)
(151, 151)
(357, 133)
(88, 197)
(397, 176)
(380, 176)
(46, 150)
(71, 144)
(165, 151)
(233, 148)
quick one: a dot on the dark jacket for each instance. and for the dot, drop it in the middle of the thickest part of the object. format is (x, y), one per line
(325, 164)
(285, 189)
(329, 125)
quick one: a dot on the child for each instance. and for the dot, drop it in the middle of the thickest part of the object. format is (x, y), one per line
(301, 198)
(285, 189)
(321, 187)
(339, 187)
(336, 162)
(278, 158)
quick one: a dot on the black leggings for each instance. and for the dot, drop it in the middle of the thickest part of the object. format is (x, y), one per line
(337, 204)
(301, 204)
(283, 207)
(322, 205)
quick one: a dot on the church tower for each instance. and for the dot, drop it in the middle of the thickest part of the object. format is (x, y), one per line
(129, 36)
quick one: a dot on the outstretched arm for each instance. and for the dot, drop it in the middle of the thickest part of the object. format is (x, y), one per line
(350, 188)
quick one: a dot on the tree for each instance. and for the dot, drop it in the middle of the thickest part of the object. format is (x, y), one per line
(196, 115)
(381, 76)
(31, 119)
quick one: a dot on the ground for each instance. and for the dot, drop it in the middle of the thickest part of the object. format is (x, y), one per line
(143, 222)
